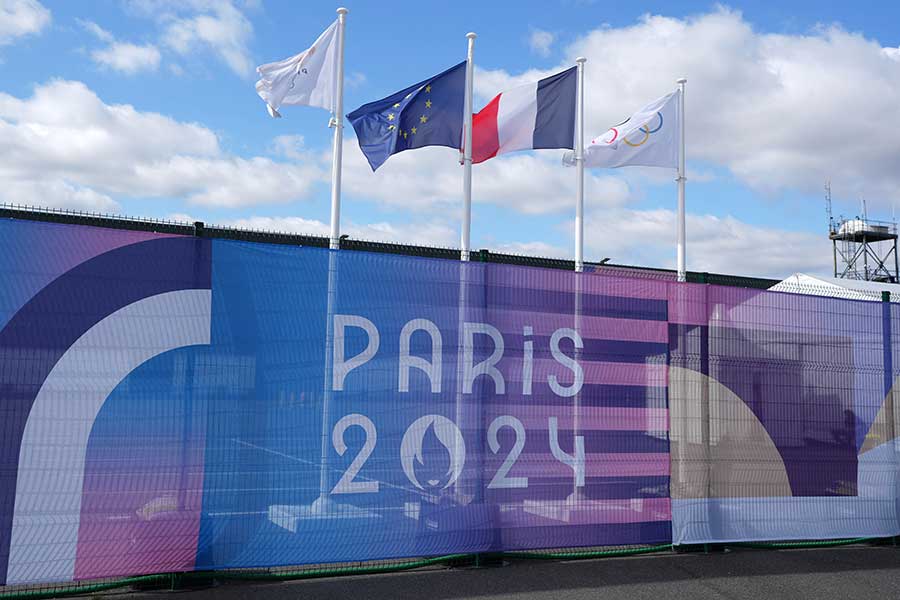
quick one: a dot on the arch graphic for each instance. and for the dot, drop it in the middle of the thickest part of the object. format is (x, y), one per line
(52, 454)
(739, 460)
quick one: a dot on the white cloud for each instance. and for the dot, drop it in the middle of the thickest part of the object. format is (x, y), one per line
(779, 111)
(540, 42)
(532, 183)
(215, 25)
(66, 136)
(101, 34)
(893, 53)
(191, 27)
(354, 79)
(425, 233)
(128, 58)
(714, 244)
(19, 18)
(55, 193)
(289, 146)
(227, 181)
(123, 57)
(533, 249)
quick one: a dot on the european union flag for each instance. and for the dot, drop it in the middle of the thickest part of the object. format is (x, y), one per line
(429, 113)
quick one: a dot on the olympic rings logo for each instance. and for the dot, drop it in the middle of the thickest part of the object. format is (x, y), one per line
(646, 129)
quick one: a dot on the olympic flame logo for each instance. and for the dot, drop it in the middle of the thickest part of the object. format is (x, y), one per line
(449, 436)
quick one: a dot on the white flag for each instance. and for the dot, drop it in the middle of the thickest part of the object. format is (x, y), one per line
(648, 138)
(306, 79)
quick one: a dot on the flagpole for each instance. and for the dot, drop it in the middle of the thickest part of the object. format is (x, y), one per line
(323, 504)
(576, 497)
(467, 151)
(338, 123)
(682, 272)
(579, 167)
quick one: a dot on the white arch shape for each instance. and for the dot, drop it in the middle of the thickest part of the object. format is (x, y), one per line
(50, 477)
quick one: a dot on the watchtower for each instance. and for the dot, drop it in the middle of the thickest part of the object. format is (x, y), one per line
(863, 248)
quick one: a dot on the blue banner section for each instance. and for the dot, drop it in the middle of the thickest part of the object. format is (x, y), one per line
(407, 466)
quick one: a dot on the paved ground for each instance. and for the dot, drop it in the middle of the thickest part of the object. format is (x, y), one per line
(856, 572)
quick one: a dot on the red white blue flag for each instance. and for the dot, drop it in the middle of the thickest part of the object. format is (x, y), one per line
(533, 116)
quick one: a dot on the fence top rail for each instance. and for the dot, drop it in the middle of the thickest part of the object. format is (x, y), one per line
(111, 221)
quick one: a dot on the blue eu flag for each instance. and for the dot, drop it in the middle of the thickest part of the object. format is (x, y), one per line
(429, 113)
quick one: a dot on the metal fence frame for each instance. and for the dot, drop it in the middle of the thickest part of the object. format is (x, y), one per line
(198, 228)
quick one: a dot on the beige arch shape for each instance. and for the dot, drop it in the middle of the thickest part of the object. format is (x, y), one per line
(740, 459)
(886, 425)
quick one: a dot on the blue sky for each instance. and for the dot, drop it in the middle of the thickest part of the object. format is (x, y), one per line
(147, 107)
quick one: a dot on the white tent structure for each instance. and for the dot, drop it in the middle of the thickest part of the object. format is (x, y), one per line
(855, 289)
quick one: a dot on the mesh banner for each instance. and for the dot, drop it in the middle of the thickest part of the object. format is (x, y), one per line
(782, 416)
(174, 403)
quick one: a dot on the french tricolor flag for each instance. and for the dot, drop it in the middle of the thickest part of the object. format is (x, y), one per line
(532, 116)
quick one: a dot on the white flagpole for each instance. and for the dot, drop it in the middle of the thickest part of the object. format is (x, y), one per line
(579, 167)
(323, 504)
(467, 151)
(576, 496)
(680, 252)
(338, 124)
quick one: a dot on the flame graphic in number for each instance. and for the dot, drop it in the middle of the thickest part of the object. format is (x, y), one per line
(448, 434)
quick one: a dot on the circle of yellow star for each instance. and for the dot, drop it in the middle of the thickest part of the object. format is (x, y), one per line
(423, 119)
(390, 116)
(428, 104)
(428, 89)
(413, 130)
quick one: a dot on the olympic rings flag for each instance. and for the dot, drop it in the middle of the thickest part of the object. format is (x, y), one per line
(648, 138)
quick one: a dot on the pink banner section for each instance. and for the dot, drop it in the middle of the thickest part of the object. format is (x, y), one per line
(598, 328)
(592, 512)
(149, 521)
(612, 373)
(547, 279)
(589, 418)
(596, 464)
(759, 311)
(595, 372)
(113, 546)
(795, 313)
(688, 304)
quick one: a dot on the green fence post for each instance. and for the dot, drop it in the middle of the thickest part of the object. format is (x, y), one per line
(483, 559)
(887, 336)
